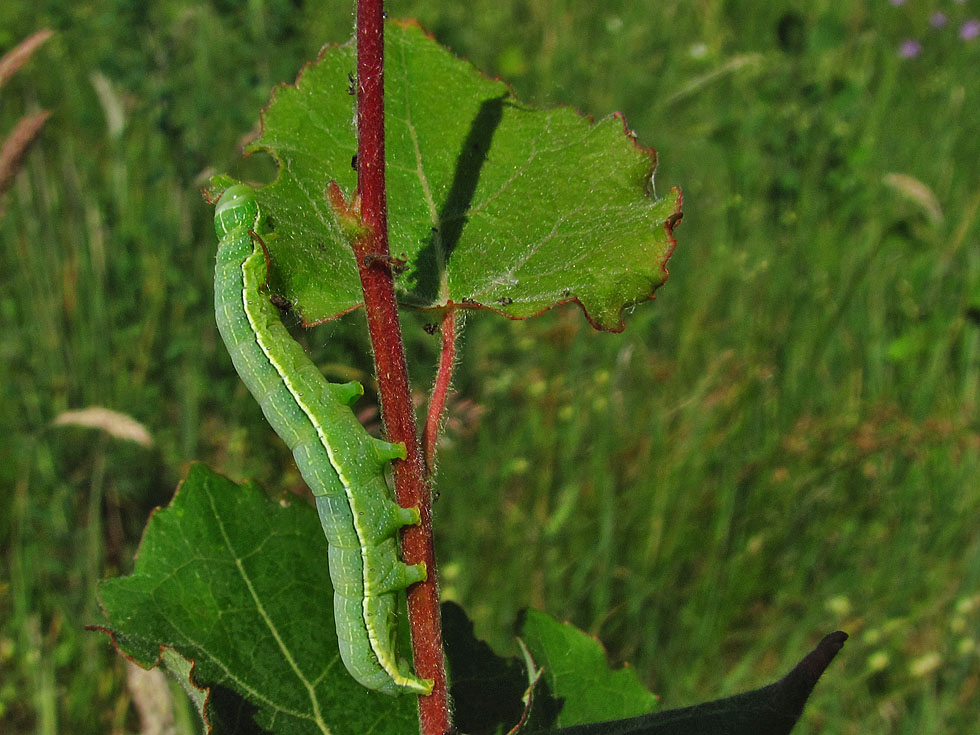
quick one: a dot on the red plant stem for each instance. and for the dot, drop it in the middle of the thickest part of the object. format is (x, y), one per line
(444, 377)
(397, 412)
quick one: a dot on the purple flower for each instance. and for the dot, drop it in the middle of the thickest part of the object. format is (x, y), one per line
(938, 20)
(910, 49)
(970, 29)
(898, 2)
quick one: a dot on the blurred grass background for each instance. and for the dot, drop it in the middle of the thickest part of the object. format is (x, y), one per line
(784, 444)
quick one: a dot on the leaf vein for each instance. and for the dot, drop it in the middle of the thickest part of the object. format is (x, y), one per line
(317, 718)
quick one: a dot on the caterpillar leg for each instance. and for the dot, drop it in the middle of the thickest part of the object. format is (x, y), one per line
(401, 576)
(407, 516)
(366, 632)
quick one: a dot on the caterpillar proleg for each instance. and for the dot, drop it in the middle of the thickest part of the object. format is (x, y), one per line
(342, 464)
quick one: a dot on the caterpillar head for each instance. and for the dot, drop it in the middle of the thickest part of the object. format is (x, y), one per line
(236, 208)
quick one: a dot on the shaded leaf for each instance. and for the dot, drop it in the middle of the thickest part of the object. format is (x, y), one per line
(538, 703)
(771, 710)
(486, 689)
(491, 203)
(238, 585)
(575, 668)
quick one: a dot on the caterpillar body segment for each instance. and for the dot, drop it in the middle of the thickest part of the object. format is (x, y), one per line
(342, 464)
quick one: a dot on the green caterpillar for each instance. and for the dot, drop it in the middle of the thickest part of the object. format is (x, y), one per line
(342, 464)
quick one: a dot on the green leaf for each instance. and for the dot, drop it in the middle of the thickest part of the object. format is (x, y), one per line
(576, 670)
(183, 671)
(491, 203)
(238, 585)
(771, 710)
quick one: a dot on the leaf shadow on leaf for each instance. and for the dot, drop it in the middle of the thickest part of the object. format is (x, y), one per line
(547, 707)
(486, 689)
(453, 215)
(229, 711)
(771, 710)
(222, 709)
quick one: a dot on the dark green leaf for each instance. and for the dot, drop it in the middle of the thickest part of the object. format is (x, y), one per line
(771, 710)
(238, 585)
(486, 689)
(491, 203)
